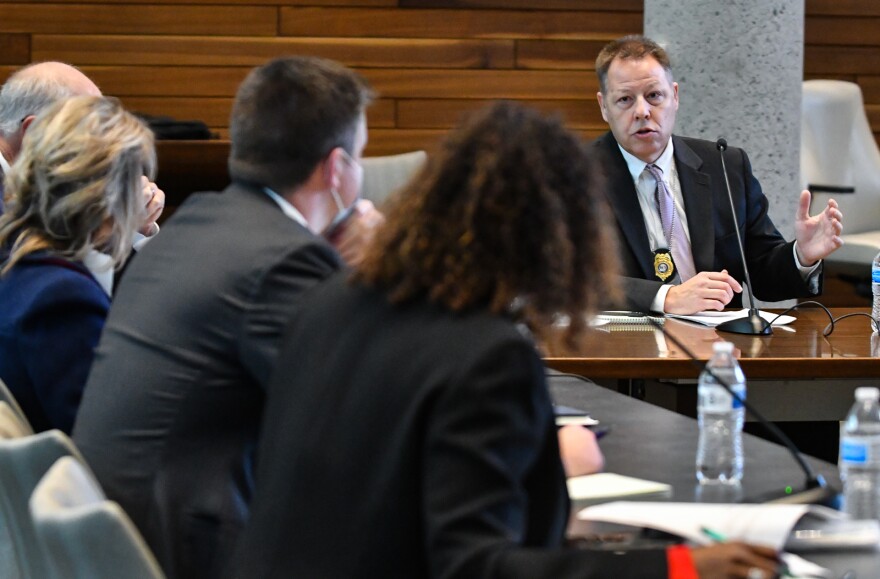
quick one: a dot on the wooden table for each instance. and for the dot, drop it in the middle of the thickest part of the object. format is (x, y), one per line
(803, 353)
(795, 374)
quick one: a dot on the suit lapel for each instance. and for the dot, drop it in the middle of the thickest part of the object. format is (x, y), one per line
(697, 192)
(624, 201)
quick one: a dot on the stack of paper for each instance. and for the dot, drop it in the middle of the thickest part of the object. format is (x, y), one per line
(606, 486)
(712, 318)
(764, 524)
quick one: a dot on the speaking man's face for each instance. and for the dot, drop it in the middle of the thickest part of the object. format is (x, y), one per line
(639, 105)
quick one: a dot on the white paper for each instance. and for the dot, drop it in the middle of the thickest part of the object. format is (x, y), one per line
(800, 567)
(713, 318)
(608, 485)
(583, 420)
(767, 524)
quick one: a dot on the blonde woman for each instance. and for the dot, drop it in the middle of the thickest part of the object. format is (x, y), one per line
(74, 193)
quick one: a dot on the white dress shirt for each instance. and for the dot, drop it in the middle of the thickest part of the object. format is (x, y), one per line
(646, 187)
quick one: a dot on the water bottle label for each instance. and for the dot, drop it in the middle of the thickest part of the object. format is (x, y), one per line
(875, 274)
(741, 392)
(714, 399)
(853, 451)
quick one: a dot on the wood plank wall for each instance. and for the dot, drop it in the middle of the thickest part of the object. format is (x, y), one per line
(429, 59)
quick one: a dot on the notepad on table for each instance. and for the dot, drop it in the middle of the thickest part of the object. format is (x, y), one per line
(607, 486)
(713, 318)
(616, 320)
(566, 415)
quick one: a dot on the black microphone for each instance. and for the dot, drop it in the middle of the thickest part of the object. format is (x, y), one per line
(816, 490)
(753, 324)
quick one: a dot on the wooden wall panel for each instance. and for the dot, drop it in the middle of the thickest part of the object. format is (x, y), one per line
(592, 5)
(446, 113)
(842, 43)
(842, 31)
(135, 19)
(15, 48)
(361, 3)
(429, 23)
(430, 60)
(844, 7)
(557, 54)
(481, 84)
(249, 51)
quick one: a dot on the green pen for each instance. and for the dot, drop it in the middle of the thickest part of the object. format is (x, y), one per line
(714, 535)
(719, 538)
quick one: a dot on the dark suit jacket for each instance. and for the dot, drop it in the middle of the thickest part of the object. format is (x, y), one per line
(170, 415)
(411, 442)
(713, 239)
(51, 314)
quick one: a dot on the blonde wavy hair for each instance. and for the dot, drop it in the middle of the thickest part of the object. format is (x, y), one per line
(80, 168)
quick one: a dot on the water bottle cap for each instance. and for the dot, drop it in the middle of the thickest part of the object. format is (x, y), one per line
(722, 347)
(867, 393)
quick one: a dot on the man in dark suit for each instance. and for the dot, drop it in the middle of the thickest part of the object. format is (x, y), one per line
(170, 414)
(678, 248)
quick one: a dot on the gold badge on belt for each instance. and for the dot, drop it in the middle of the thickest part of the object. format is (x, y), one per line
(663, 265)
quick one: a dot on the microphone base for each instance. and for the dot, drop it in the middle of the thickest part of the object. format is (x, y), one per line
(824, 495)
(751, 325)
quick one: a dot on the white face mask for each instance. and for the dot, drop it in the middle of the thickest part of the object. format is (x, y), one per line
(342, 214)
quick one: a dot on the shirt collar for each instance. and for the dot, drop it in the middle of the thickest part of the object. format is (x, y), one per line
(636, 166)
(100, 265)
(287, 207)
(4, 164)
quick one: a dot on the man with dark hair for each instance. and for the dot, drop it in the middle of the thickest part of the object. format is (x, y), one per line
(678, 250)
(171, 412)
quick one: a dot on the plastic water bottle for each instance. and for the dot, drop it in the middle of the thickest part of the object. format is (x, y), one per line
(860, 456)
(719, 453)
(875, 288)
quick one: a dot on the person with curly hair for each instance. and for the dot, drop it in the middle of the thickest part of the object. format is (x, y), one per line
(408, 428)
(74, 193)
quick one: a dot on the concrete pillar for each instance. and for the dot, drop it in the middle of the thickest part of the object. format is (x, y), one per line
(739, 66)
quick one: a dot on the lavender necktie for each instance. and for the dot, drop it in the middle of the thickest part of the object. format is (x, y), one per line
(679, 245)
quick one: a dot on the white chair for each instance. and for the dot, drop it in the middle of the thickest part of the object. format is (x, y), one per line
(23, 462)
(84, 535)
(12, 425)
(840, 159)
(385, 175)
(7, 397)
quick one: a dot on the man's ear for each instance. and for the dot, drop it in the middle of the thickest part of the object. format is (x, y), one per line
(26, 123)
(601, 105)
(333, 166)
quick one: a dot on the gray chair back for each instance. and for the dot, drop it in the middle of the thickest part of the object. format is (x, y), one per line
(23, 462)
(84, 535)
(7, 397)
(385, 175)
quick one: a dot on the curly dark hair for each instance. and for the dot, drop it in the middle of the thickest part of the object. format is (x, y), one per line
(508, 212)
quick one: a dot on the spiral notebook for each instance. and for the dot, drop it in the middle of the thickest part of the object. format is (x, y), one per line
(627, 321)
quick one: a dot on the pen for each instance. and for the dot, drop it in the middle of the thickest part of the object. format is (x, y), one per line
(600, 431)
(624, 314)
(719, 538)
(714, 535)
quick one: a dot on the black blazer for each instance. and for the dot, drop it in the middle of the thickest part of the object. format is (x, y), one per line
(170, 414)
(411, 442)
(713, 240)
